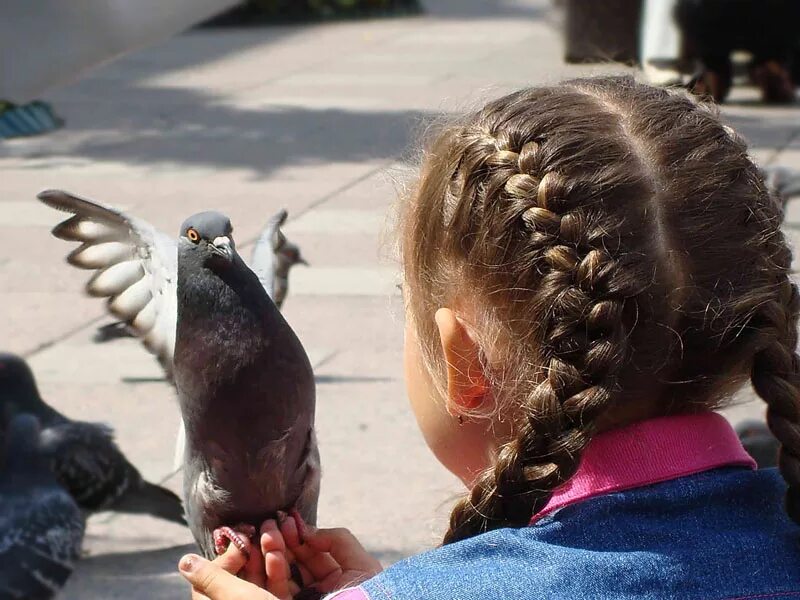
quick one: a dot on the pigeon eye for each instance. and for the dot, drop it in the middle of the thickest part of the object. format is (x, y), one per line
(192, 234)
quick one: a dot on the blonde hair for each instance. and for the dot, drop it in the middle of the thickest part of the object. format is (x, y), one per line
(611, 241)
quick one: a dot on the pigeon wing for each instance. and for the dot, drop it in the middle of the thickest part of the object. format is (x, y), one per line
(87, 462)
(267, 245)
(40, 538)
(136, 267)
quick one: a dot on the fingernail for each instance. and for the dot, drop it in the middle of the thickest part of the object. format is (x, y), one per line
(189, 563)
(281, 517)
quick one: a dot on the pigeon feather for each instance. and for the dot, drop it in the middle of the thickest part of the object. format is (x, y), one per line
(135, 263)
(41, 526)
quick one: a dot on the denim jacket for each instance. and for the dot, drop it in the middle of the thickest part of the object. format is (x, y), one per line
(675, 515)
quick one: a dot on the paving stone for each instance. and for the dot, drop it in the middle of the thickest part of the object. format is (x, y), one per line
(325, 120)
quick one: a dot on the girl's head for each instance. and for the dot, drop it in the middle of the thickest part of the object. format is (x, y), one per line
(578, 257)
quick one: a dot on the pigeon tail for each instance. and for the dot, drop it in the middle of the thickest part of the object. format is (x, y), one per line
(152, 500)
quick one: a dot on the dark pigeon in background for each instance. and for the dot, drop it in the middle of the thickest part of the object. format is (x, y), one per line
(137, 268)
(41, 526)
(247, 394)
(759, 442)
(83, 456)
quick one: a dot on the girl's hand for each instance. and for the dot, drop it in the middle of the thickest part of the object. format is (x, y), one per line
(328, 559)
(217, 579)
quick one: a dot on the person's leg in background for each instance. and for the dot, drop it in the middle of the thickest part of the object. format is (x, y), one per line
(765, 28)
(660, 43)
(708, 29)
(773, 50)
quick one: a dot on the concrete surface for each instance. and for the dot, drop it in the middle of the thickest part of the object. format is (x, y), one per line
(322, 120)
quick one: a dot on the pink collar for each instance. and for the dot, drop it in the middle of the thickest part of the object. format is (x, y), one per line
(649, 452)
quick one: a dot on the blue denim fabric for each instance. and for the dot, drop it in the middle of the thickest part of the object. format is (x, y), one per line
(713, 535)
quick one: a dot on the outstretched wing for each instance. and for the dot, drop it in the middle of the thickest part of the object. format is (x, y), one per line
(136, 268)
(264, 259)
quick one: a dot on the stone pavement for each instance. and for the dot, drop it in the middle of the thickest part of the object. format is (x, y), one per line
(322, 120)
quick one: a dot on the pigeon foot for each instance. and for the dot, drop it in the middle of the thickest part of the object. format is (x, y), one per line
(238, 535)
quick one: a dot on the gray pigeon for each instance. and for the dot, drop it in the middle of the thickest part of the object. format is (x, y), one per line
(137, 266)
(246, 391)
(83, 456)
(247, 388)
(783, 182)
(137, 270)
(273, 258)
(41, 526)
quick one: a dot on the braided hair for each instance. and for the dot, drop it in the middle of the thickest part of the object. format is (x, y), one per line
(618, 245)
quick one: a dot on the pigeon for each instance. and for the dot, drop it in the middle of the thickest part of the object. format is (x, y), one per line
(41, 526)
(759, 442)
(246, 391)
(244, 382)
(273, 258)
(136, 268)
(83, 456)
(783, 183)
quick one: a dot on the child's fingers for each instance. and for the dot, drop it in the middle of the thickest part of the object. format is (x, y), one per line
(254, 571)
(276, 567)
(284, 577)
(319, 564)
(345, 550)
(215, 582)
(271, 537)
(233, 560)
(289, 530)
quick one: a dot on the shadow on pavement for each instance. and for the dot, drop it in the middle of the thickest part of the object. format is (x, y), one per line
(200, 132)
(486, 9)
(320, 379)
(148, 574)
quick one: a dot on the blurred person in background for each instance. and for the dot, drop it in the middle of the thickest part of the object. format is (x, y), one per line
(660, 43)
(767, 29)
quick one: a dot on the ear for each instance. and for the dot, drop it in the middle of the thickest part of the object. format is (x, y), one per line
(467, 385)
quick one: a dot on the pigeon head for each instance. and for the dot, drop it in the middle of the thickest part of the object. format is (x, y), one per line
(210, 234)
(17, 386)
(289, 254)
(22, 440)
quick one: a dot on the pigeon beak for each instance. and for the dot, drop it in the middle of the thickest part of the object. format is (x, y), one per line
(223, 246)
(302, 261)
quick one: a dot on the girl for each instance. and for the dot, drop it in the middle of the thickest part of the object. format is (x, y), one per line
(590, 269)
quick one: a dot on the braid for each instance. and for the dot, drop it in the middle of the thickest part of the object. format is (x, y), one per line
(583, 346)
(775, 376)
